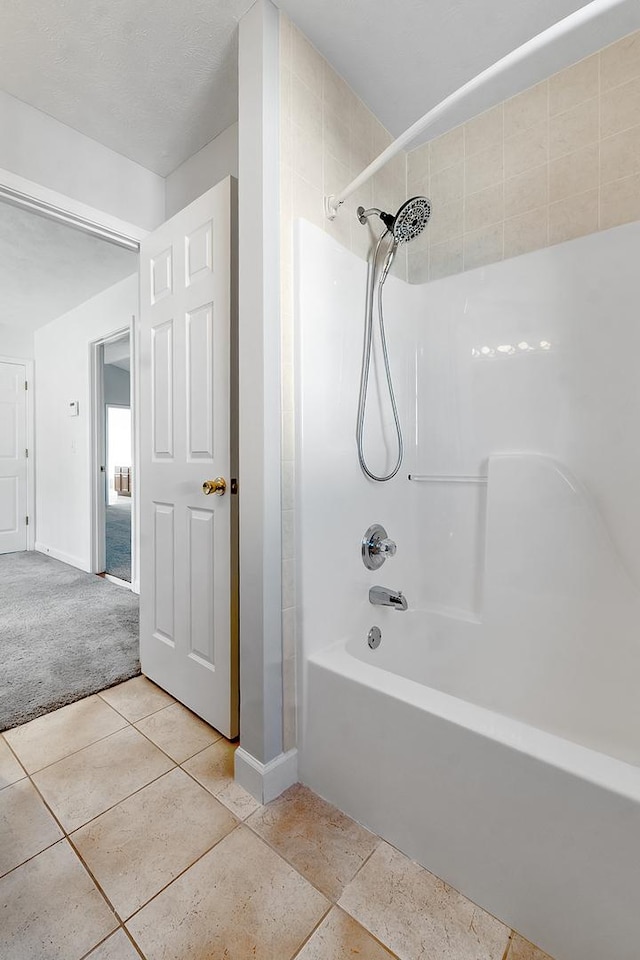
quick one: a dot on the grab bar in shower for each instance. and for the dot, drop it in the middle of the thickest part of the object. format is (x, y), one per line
(442, 478)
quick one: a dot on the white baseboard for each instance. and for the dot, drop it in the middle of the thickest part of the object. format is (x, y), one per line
(63, 557)
(266, 781)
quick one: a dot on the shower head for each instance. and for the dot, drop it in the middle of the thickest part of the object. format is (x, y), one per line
(409, 221)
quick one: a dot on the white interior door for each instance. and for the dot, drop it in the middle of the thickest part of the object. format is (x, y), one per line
(13, 457)
(186, 642)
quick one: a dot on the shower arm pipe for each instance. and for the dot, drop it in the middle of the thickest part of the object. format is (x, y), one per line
(596, 8)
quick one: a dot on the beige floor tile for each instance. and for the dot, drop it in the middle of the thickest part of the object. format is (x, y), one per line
(26, 826)
(521, 949)
(178, 732)
(213, 768)
(136, 698)
(10, 769)
(339, 937)
(86, 784)
(240, 901)
(322, 843)
(51, 909)
(117, 947)
(417, 915)
(143, 843)
(67, 730)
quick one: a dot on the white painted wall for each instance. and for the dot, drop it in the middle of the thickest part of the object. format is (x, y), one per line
(15, 342)
(63, 459)
(215, 161)
(47, 152)
(117, 385)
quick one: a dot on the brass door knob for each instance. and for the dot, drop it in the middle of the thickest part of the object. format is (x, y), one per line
(217, 486)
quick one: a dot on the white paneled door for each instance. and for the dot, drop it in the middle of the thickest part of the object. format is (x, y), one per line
(186, 642)
(13, 457)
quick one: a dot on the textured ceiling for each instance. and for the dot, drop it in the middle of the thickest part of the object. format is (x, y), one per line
(47, 268)
(154, 80)
(404, 56)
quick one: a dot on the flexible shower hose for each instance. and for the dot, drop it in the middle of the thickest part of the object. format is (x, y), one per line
(366, 357)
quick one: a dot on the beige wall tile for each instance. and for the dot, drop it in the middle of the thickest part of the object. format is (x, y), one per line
(526, 191)
(286, 29)
(307, 158)
(418, 269)
(574, 173)
(418, 163)
(306, 62)
(619, 202)
(484, 208)
(574, 129)
(573, 217)
(483, 246)
(306, 108)
(620, 108)
(417, 915)
(308, 201)
(336, 138)
(572, 86)
(336, 175)
(526, 109)
(527, 232)
(446, 221)
(620, 155)
(527, 149)
(338, 95)
(362, 148)
(484, 131)
(484, 168)
(288, 584)
(445, 186)
(620, 61)
(289, 716)
(444, 259)
(447, 150)
(288, 485)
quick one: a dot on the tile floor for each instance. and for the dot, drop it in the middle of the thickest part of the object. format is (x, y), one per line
(123, 835)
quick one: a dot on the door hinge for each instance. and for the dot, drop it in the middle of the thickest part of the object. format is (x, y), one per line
(26, 520)
(26, 453)
(234, 485)
(26, 385)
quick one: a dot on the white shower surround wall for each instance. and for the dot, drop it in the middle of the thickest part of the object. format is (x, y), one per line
(495, 734)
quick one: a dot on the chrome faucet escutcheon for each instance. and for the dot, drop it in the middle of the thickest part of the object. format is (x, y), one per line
(384, 597)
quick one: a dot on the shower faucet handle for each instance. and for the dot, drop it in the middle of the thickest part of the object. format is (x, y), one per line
(376, 547)
(385, 546)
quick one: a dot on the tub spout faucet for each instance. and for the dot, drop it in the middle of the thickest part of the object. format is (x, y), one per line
(383, 597)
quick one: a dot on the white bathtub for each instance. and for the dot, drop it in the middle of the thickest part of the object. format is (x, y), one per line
(541, 832)
(494, 735)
